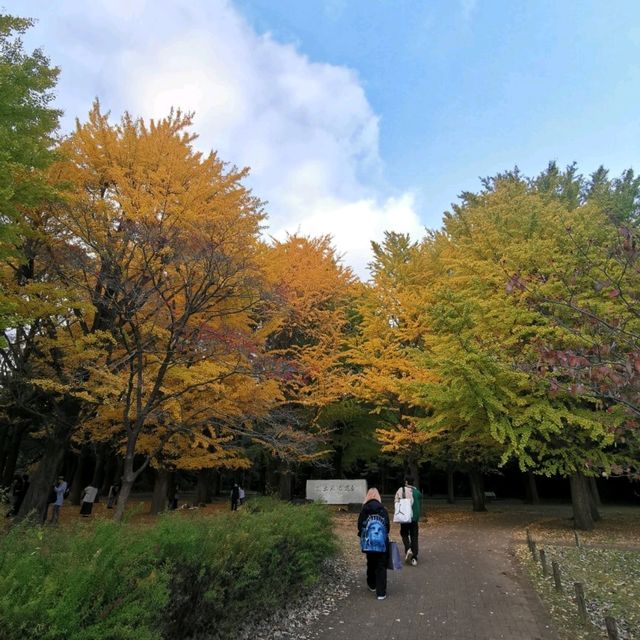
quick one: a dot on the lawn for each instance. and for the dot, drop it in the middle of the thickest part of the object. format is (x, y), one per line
(607, 564)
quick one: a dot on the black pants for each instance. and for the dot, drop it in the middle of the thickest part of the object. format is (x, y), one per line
(234, 504)
(377, 572)
(409, 534)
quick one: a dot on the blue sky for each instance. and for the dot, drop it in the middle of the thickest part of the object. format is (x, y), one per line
(363, 115)
(466, 89)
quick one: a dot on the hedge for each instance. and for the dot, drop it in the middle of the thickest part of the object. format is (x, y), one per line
(182, 578)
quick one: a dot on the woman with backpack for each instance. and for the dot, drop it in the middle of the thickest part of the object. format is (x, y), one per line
(373, 530)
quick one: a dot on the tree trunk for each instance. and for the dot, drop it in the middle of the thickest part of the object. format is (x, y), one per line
(477, 490)
(172, 491)
(203, 487)
(383, 479)
(160, 492)
(117, 478)
(531, 489)
(451, 494)
(11, 460)
(414, 471)
(78, 483)
(5, 432)
(581, 502)
(109, 473)
(123, 497)
(36, 501)
(285, 483)
(217, 478)
(128, 479)
(272, 480)
(596, 503)
(338, 457)
(99, 469)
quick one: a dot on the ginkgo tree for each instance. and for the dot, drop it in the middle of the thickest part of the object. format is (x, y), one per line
(169, 241)
(514, 226)
(303, 322)
(390, 327)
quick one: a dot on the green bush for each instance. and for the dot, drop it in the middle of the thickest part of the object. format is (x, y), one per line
(180, 578)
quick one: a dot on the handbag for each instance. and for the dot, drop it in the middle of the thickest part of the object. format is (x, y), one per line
(402, 510)
(394, 559)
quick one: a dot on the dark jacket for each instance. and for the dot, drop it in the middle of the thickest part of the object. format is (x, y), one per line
(373, 507)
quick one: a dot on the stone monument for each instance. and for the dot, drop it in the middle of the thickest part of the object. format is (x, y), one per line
(337, 491)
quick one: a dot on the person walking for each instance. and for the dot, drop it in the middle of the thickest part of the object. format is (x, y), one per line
(89, 495)
(59, 490)
(112, 498)
(235, 497)
(373, 530)
(409, 530)
(241, 495)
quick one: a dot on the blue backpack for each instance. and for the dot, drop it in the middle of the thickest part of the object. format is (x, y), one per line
(373, 536)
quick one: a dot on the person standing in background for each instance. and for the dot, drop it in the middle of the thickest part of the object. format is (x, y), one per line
(235, 497)
(112, 498)
(89, 496)
(59, 489)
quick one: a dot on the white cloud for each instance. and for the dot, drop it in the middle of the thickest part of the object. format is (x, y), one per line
(305, 128)
(354, 223)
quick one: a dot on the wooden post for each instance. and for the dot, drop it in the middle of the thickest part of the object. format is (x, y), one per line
(575, 533)
(580, 601)
(529, 539)
(543, 562)
(612, 628)
(534, 553)
(556, 576)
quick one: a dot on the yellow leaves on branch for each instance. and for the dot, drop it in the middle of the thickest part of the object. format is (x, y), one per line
(305, 318)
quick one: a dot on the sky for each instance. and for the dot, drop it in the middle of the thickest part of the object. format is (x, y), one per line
(360, 116)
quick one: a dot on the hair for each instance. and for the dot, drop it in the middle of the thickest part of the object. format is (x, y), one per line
(409, 479)
(372, 494)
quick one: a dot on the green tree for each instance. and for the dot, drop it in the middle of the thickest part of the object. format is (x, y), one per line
(27, 127)
(513, 254)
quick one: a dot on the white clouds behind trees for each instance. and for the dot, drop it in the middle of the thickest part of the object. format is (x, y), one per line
(305, 128)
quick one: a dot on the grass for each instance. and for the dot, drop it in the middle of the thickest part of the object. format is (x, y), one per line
(607, 564)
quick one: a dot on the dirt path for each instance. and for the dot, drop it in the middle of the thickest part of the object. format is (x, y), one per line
(466, 586)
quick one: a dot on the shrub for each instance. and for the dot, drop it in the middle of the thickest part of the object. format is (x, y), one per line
(180, 578)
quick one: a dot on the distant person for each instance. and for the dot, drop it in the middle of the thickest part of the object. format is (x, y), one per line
(112, 497)
(89, 495)
(373, 530)
(59, 491)
(409, 530)
(235, 497)
(241, 495)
